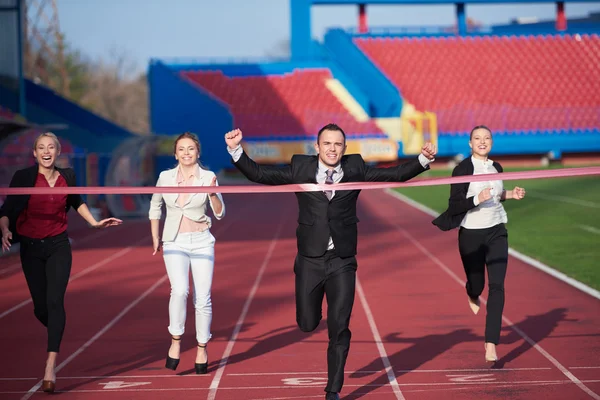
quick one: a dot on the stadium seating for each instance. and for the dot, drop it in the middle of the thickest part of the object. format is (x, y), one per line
(510, 83)
(288, 106)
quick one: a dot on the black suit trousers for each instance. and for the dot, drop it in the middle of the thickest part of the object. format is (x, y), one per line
(335, 278)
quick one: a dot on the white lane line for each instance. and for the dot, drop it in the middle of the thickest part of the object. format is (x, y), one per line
(82, 273)
(518, 255)
(444, 385)
(214, 385)
(74, 244)
(403, 371)
(377, 337)
(102, 331)
(62, 378)
(536, 346)
(489, 371)
(563, 199)
(499, 386)
(590, 229)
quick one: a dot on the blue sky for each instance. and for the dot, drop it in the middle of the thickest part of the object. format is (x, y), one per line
(206, 29)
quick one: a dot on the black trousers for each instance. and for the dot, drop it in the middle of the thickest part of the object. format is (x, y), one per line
(47, 266)
(335, 278)
(480, 248)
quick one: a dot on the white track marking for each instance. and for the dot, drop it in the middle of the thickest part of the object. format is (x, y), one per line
(536, 346)
(118, 317)
(214, 385)
(82, 273)
(499, 386)
(520, 256)
(377, 337)
(62, 378)
(403, 371)
(472, 370)
(444, 386)
(590, 229)
(91, 236)
(101, 332)
(15, 308)
(300, 373)
(552, 272)
(563, 199)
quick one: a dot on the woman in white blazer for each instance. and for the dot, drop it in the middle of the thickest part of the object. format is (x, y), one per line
(187, 241)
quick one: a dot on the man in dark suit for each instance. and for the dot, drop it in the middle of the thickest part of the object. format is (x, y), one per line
(327, 231)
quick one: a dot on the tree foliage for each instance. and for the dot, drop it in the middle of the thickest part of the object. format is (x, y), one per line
(109, 87)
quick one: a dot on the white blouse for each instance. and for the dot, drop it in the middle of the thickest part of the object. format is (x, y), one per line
(490, 212)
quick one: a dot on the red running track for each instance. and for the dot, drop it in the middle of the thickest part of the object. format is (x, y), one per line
(414, 336)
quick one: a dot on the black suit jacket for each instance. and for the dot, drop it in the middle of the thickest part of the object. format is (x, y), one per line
(318, 218)
(15, 204)
(459, 204)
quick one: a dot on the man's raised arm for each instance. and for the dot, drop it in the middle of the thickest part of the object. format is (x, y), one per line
(406, 171)
(265, 174)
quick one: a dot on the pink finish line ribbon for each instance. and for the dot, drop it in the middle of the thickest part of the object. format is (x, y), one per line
(305, 187)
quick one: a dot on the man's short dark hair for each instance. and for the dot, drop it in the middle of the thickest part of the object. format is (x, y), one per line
(331, 127)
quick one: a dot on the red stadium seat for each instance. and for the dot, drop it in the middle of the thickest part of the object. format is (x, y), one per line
(289, 105)
(508, 83)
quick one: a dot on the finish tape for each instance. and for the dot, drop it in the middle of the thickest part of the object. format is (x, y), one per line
(304, 187)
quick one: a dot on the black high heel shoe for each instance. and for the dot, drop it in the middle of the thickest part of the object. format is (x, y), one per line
(202, 368)
(172, 363)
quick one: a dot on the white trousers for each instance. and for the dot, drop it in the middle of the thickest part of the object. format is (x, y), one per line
(195, 249)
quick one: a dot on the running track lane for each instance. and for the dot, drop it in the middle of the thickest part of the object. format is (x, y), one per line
(419, 311)
(238, 262)
(273, 296)
(92, 251)
(273, 358)
(80, 235)
(140, 339)
(424, 317)
(22, 338)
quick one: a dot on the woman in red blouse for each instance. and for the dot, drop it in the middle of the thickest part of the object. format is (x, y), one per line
(40, 221)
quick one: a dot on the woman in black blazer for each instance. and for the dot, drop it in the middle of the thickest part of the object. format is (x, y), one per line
(476, 209)
(40, 222)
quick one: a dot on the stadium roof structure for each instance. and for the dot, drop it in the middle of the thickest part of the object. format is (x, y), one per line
(301, 18)
(425, 2)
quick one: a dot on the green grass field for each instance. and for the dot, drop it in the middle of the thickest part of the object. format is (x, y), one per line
(557, 223)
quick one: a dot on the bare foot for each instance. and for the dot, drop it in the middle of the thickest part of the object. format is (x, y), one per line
(474, 304)
(490, 352)
(49, 373)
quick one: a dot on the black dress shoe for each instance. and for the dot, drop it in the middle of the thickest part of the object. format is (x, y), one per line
(332, 396)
